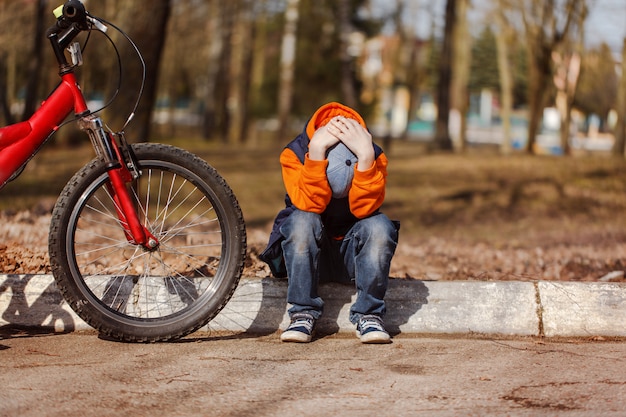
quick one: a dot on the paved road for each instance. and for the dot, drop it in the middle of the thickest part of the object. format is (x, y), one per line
(79, 374)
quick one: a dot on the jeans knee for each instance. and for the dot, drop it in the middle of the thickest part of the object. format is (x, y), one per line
(302, 228)
(379, 229)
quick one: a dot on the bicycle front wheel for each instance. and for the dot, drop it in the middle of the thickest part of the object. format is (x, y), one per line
(132, 294)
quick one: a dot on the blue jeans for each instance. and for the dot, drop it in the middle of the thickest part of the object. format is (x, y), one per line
(363, 257)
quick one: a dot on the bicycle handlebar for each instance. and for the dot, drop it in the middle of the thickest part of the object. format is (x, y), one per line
(72, 18)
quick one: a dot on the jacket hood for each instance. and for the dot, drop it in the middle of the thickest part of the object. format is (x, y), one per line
(327, 112)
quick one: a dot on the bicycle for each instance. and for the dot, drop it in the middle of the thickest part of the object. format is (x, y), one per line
(147, 241)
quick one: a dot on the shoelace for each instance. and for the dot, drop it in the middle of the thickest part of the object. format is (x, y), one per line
(368, 323)
(302, 322)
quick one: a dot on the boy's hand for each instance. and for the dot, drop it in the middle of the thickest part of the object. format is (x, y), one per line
(320, 142)
(356, 138)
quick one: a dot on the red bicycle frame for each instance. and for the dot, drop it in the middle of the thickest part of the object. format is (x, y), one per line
(21, 141)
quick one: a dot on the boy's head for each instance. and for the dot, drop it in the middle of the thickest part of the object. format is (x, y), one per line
(341, 161)
(324, 114)
(340, 169)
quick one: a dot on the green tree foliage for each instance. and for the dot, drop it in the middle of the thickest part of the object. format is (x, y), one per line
(597, 88)
(484, 68)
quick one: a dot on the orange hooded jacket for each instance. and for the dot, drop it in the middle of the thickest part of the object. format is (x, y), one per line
(306, 183)
(308, 188)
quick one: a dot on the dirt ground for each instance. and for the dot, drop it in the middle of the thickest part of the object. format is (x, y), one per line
(575, 256)
(81, 375)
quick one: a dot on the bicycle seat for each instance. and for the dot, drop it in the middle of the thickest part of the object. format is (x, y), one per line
(13, 133)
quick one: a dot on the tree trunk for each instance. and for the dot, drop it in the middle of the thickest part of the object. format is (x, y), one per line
(215, 25)
(442, 139)
(347, 68)
(242, 55)
(148, 32)
(36, 61)
(461, 70)
(620, 129)
(412, 81)
(259, 63)
(287, 68)
(547, 27)
(247, 65)
(5, 109)
(565, 80)
(506, 78)
(539, 73)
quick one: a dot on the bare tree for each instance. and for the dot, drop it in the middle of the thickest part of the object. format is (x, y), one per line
(241, 71)
(620, 129)
(414, 74)
(218, 25)
(36, 61)
(442, 139)
(6, 64)
(406, 69)
(347, 70)
(5, 109)
(287, 67)
(460, 71)
(504, 38)
(148, 32)
(547, 26)
(567, 69)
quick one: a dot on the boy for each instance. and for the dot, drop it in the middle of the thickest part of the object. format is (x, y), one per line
(331, 228)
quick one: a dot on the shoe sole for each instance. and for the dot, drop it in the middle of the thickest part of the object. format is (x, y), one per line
(295, 337)
(374, 337)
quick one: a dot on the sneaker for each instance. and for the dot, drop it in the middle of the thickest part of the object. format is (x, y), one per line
(370, 329)
(300, 330)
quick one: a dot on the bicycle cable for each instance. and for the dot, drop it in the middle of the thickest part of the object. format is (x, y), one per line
(143, 65)
(119, 71)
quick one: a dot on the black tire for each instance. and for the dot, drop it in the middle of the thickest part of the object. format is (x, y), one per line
(132, 294)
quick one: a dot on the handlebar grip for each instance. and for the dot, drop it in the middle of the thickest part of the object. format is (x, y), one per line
(71, 13)
(74, 11)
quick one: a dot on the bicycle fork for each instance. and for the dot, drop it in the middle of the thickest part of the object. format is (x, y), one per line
(122, 170)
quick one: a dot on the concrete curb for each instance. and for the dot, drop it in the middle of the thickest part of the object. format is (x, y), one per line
(258, 306)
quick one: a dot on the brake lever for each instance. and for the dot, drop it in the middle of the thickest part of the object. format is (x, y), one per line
(76, 54)
(98, 24)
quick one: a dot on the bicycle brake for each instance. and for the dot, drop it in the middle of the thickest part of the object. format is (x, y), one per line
(130, 159)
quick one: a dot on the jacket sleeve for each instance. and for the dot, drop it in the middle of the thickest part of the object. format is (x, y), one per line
(368, 188)
(306, 183)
